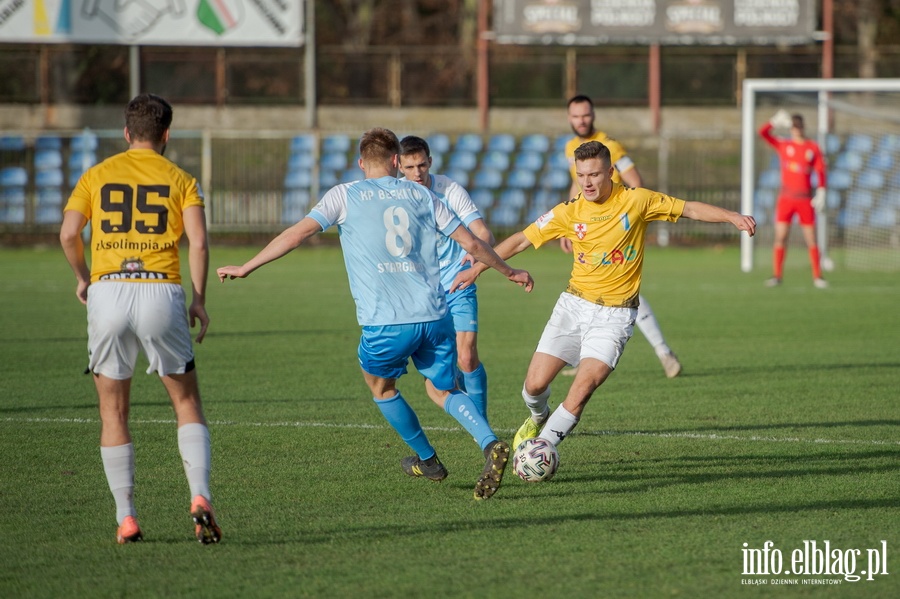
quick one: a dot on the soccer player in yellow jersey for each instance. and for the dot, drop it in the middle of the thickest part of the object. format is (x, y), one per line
(139, 204)
(594, 317)
(581, 119)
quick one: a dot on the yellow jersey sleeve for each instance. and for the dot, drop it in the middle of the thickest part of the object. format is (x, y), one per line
(134, 202)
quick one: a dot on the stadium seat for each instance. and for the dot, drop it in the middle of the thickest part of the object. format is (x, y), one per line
(529, 159)
(881, 160)
(13, 176)
(501, 142)
(49, 196)
(889, 142)
(769, 179)
(48, 159)
(496, 159)
(300, 178)
(469, 142)
(833, 199)
(49, 178)
(12, 143)
(337, 143)
(764, 198)
(559, 144)
(556, 179)
(859, 199)
(333, 161)
(82, 160)
(483, 199)
(504, 216)
(840, 179)
(464, 160)
(849, 160)
(545, 199)
(761, 215)
(327, 180)
(86, 142)
(305, 143)
(535, 142)
(48, 142)
(488, 178)
(437, 162)
(558, 160)
(354, 173)
(12, 205)
(884, 217)
(521, 179)
(49, 205)
(832, 144)
(512, 198)
(859, 142)
(294, 205)
(870, 179)
(459, 175)
(438, 143)
(850, 218)
(301, 160)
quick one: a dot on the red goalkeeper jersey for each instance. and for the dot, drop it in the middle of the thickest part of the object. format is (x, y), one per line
(798, 162)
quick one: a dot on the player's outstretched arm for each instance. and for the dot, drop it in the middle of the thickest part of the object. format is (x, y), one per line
(715, 214)
(506, 249)
(198, 259)
(290, 239)
(489, 258)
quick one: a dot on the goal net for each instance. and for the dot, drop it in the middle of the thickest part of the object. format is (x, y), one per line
(857, 125)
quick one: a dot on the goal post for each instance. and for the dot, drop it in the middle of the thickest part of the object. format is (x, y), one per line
(828, 98)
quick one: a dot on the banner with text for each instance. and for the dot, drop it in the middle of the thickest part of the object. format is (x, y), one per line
(667, 22)
(154, 22)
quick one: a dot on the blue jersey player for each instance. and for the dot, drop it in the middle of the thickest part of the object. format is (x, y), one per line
(415, 165)
(389, 230)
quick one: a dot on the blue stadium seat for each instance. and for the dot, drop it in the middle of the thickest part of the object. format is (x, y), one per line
(298, 179)
(463, 160)
(49, 196)
(48, 142)
(82, 160)
(535, 142)
(336, 143)
(545, 199)
(884, 217)
(304, 143)
(833, 199)
(86, 142)
(769, 179)
(294, 205)
(501, 142)
(301, 160)
(558, 160)
(870, 179)
(849, 160)
(354, 173)
(840, 179)
(504, 216)
(13, 176)
(529, 160)
(556, 179)
(881, 160)
(496, 159)
(461, 176)
(851, 218)
(333, 161)
(438, 143)
(327, 180)
(521, 179)
(12, 205)
(559, 144)
(859, 142)
(761, 215)
(469, 142)
(49, 205)
(832, 144)
(889, 142)
(49, 178)
(437, 162)
(488, 178)
(512, 198)
(483, 199)
(47, 159)
(12, 143)
(860, 199)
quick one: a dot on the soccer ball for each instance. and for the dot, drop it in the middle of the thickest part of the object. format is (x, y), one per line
(535, 460)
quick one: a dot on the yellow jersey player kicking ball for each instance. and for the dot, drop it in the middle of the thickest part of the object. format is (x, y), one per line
(595, 316)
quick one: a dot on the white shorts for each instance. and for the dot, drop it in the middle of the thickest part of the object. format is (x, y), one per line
(124, 318)
(580, 329)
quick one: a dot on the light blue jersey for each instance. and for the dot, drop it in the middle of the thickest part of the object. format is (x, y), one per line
(457, 199)
(389, 232)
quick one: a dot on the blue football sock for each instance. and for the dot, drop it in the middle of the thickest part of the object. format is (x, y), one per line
(403, 419)
(460, 406)
(476, 388)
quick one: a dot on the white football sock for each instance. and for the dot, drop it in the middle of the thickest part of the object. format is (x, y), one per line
(118, 463)
(537, 404)
(193, 444)
(559, 425)
(649, 327)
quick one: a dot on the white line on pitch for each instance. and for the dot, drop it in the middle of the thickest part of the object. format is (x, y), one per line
(607, 433)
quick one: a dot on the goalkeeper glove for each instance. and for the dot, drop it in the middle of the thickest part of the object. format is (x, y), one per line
(818, 201)
(781, 119)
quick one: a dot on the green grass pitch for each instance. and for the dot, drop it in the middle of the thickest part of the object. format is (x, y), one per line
(784, 427)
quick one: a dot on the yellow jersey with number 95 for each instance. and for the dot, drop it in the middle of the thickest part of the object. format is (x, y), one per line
(134, 202)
